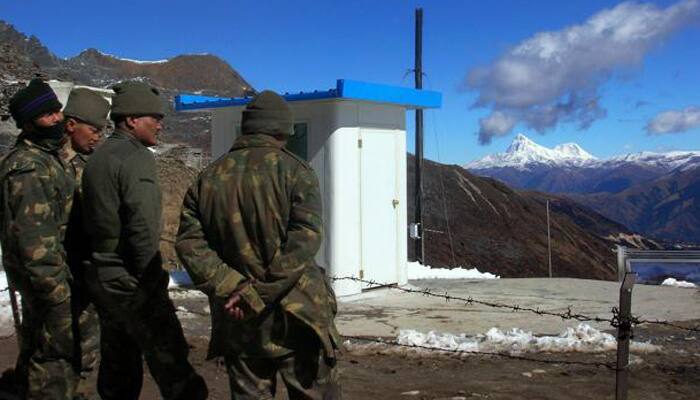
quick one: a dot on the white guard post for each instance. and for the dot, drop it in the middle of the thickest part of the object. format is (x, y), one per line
(354, 137)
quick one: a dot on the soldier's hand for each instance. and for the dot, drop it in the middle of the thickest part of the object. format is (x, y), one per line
(235, 304)
(232, 307)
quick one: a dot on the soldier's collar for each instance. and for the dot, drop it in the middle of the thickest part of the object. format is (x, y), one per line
(119, 133)
(50, 145)
(67, 152)
(256, 140)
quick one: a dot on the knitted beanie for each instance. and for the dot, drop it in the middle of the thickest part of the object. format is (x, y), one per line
(267, 113)
(34, 100)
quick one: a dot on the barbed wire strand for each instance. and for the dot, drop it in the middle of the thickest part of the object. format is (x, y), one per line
(569, 314)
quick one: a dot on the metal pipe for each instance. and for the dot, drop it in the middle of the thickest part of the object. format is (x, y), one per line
(420, 247)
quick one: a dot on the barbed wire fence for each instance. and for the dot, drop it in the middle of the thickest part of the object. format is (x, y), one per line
(615, 320)
(569, 314)
(621, 319)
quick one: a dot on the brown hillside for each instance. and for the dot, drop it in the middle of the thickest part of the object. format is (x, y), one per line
(504, 231)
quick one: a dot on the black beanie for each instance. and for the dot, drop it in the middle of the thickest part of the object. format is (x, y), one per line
(267, 113)
(34, 100)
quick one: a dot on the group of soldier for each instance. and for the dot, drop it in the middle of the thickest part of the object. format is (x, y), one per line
(80, 225)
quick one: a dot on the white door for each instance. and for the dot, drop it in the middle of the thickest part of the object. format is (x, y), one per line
(378, 192)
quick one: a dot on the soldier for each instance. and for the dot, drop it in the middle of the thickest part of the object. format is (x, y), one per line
(35, 201)
(86, 117)
(249, 231)
(122, 216)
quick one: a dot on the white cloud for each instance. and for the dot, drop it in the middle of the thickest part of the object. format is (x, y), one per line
(554, 77)
(674, 121)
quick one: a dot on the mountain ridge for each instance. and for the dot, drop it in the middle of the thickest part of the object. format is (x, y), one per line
(23, 57)
(525, 154)
(623, 188)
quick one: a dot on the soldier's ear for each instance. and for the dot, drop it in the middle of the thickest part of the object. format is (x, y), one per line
(70, 125)
(129, 122)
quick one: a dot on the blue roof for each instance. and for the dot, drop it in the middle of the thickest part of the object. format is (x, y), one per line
(345, 89)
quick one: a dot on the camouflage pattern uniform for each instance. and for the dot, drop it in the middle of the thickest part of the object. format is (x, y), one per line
(254, 216)
(86, 328)
(122, 212)
(35, 201)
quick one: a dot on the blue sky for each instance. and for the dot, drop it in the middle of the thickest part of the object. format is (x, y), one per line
(306, 45)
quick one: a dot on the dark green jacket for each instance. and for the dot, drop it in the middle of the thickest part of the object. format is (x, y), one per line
(77, 241)
(255, 215)
(36, 195)
(122, 205)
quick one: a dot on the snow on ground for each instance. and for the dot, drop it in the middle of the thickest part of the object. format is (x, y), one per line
(677, 283)
(417, 271)
(180, 285)
(582, 339)
(6, 322)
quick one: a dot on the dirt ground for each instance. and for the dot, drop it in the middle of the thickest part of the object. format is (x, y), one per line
(372, 374)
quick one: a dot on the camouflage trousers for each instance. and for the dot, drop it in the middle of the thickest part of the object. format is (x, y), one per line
(138, 323)
(86, 334)
(46, 366)
(307, 375)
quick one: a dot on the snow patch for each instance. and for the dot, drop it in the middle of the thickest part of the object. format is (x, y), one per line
(178, 287)
(6, 320)
(582, 339)
(676, 283)
(184, 313)
(417, 271)
(132, 60)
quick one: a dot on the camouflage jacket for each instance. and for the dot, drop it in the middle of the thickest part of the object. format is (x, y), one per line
(254, 216)
(74, 161)
(35, 201)
(122, 206)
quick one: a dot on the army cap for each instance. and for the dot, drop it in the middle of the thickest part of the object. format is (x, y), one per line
(267, 113)
(34, 100)
(132, 98)
(87, 106)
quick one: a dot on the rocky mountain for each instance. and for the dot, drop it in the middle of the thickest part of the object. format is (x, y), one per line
(201, 73)
(567, 168)
(638, 190)
(667, 207)
(478, 221)
(523, 154)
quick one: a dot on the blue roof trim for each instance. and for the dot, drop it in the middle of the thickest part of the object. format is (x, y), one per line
(410, 98)
(345, 89)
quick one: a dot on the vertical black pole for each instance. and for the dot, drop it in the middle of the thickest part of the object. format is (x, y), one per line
(624, 333)
(419, 138)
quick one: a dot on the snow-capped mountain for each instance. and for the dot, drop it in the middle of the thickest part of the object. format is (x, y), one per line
(524, 152)
(673, 160)
(652, 193)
